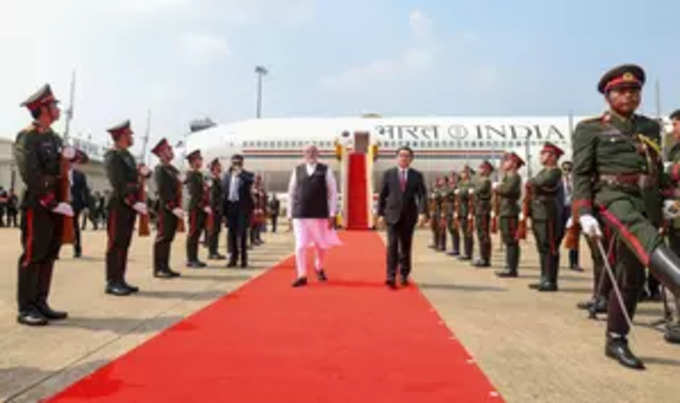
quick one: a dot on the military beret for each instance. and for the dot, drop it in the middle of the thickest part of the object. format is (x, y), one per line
(627, 75)
(119, 129)
(675, 115)
(160, 146)
(41, 97)
(486, 164)
(193, 155)
(550, 147)
(513, 156)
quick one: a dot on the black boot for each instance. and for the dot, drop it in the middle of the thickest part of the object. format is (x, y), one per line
(550, 273)
(510, 262)
(31, 317)
(617, 348)
(44, 283)
(542, 262)
(664, 264)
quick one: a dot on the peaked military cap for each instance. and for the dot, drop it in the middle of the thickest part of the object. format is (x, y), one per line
(214, 162)
(118, 129)
(193, 155)
(675, 115)
(486, 164)
(624, 76)
(160, 146)
(550, 147)
(81, 157)
(513, 156)
(41, 97)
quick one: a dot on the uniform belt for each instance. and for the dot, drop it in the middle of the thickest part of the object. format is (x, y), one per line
(622, 179)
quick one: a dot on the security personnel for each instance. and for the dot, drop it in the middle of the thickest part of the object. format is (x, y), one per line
(199, 207)
(482, 198)
(216, 201)
(545, 221)
(510, 190)
(124, 204)
(38, 152)
(463, 194)
(449, 207)
(616, 160)
(168, 187)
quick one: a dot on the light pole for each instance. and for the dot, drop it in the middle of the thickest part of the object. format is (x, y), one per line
(260, 71)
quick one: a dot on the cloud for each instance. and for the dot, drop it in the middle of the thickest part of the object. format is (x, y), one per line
(203, 48)
(421, 24)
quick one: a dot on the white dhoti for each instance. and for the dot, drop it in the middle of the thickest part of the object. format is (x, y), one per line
(312, 232)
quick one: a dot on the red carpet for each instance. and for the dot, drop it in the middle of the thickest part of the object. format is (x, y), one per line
(350, 340)
(357, 209)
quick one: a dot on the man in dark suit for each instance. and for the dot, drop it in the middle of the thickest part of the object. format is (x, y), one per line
(402, 204)
(238, 207)
(274, 208)
(80, 197)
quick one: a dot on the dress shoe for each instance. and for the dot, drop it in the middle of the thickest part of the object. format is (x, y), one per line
(464, 258)
(576, 268)
(162, 274)
(547, 287)
(31, 317)
(132, 288)
(392, 283)
(195, 264)
(454, 253)
(118, 290)
(244, 265)
(404, 282)
(173, 273)
(617, 348)
(216, 256)
(231, 263)
(481, 263)
(302, 281)
(672, 334)
(76, 255)
(506, 273)
(321, 275)
(49, 313)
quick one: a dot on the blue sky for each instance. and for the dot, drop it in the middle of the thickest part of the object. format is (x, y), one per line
(186, 59)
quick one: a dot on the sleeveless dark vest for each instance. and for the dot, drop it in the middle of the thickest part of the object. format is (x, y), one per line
(311, 194)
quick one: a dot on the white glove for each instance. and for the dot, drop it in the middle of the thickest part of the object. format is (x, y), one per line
(141, 208)
(63, 209)
(590, 225)
(521, 217)
(471, 191)
(495, 185)
(470, 217)
(570, 222)
(207, 210)
(671, 209)
(455, 216)
(178, 212)
(456, 192)
(68, 152)
(493, 215)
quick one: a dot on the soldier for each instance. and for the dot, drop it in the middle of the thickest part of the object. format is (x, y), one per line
(673, 330)
(199, 208)
(12, 205)
(616, 160)
(510, 190)
(449, 207)
(37, 153)
(463, 194)
(216, 200)
(274, 209)
(432, 204)
(124, 203)
(545, 216)
(568, 187)
(168, 186)
(481, 191)
(80, 195)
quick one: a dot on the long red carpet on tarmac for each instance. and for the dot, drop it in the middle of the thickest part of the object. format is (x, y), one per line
(349, 340)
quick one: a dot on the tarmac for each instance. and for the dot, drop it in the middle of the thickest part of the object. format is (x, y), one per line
(534, 347)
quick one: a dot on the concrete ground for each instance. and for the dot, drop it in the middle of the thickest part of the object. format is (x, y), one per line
(535, 347)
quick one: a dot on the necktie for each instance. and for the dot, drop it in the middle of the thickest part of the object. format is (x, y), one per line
(402, 180)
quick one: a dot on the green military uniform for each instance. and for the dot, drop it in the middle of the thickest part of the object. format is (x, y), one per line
(438, 216)
(545, 223)
(216, 201)
(433, 202)
(168, 186)
(449, 210)
(198, 200)
(121, 170)
(673, 171)
(482, 200)
(510, 190)
(464, 187)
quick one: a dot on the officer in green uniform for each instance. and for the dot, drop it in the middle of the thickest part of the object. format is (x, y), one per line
(463, 194)
(450, 212)
(545, 221)
(38, 152)
(616, 160)
(673, 330)
(510, 190)
(481, 192)
(124, 204)
(435, 204)
(168, 186)
(216, 200)
(199, 208)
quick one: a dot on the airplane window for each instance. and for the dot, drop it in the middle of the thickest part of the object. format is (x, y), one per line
(473, 144)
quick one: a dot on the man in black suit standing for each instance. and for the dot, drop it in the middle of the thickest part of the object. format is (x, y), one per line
(80, 197)
(238, 207)
(402, 204)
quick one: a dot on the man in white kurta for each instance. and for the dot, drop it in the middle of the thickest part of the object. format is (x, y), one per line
(312, 205)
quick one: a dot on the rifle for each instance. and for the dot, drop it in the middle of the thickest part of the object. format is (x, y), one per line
(496, 205)
(68, 234)
(143, 229)
(180, 221)
(526, 210)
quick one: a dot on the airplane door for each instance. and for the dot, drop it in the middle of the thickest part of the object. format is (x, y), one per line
(361, 142)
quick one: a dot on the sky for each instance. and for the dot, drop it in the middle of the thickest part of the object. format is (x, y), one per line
(185, 59)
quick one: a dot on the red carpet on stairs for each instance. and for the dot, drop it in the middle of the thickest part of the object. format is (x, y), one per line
(349, 340)
(357, 209)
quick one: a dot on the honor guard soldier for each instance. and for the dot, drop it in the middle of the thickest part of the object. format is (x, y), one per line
(481, 192)
(38, 153)
(464, 217)
(673, 330)
(615, 156)
(510, 190)
(199, 208)
(545, 213)
(168, 187)
(216, 201)
(124, 204)
(434, 205)
(449, 204)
